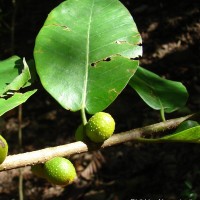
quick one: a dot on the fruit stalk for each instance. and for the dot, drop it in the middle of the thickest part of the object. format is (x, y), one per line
(83, 116)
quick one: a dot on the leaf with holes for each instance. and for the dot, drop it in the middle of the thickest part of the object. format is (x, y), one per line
(158, 92)
(14, 101)
(9, 70)
(14, 75)
(84, 53)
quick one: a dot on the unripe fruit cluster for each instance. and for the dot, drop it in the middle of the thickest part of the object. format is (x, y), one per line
(58, 171)
(98, 129)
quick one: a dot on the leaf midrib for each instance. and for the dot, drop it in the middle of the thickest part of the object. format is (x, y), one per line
(87, 58)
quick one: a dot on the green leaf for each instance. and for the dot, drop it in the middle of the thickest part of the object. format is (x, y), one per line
(21, 80)
(157, 92)
(9, 70)
(191, 135)
(14, 75)
(186, 125)
(84, 53)
(14, 101)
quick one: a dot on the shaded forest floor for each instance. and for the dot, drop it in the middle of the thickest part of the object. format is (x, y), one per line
(171, 35)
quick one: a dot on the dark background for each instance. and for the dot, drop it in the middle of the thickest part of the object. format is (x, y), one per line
(171, 33)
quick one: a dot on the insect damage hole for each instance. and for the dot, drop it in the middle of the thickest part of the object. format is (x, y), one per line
(120, 41)
(136, 58)
(107, 59)
(93, 64)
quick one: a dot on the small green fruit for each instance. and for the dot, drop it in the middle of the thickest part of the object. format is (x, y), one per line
(3, 149)
(100, 127)
(59, 171)
(80, 133)
(38, 170)
(186, 125)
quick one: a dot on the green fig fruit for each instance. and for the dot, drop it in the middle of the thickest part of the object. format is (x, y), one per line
(38, 170)
(80, 133)
(186, 125)
(59, 171)
(3, 149)
(100, 127)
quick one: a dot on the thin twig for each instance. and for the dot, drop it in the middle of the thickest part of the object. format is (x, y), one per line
(41, 156)
(12, 40)
(21, 194)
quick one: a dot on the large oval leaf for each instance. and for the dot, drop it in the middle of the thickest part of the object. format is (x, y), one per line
(158, 92)
(83, 53)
